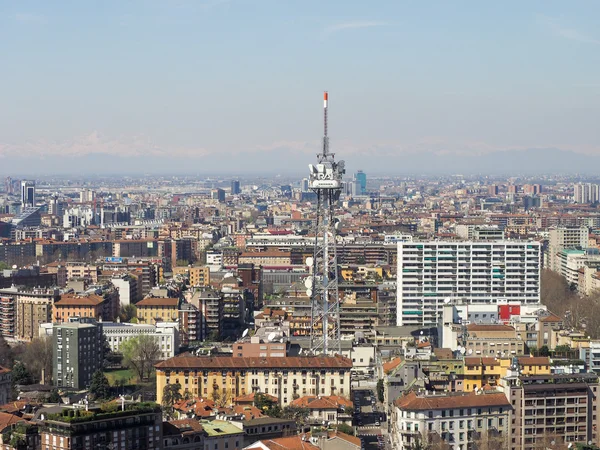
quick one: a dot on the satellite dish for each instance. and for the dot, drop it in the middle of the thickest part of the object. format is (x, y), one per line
(309, 261)
(446, 301)
(245, 333)
(308, 282)
(271, 336)
(470, 351)
(463, 350)
(309, 292)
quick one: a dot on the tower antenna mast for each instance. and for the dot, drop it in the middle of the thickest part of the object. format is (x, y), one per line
(326, 181)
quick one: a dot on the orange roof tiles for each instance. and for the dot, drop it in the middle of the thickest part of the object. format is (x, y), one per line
(154, 301)
(239, 363)
(322, 402)
(78, 300)
(412, 402)
(391, 365)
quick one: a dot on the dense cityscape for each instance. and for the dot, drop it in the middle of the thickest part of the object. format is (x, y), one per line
(188, 263)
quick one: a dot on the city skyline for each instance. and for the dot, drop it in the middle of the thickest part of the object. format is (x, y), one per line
(237, 83)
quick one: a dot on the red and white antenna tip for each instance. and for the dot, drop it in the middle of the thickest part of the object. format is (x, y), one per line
(325, 95)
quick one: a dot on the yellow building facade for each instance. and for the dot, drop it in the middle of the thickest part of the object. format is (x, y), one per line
(479, 372)
(224, 378)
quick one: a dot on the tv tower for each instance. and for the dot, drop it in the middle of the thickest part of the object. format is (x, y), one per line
(326, 181)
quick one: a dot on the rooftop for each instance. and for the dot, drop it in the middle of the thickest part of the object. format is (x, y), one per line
(237, 363)
(413, 402)
(219, 427)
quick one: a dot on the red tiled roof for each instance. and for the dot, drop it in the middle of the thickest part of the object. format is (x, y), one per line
(391, 365)
(285, 443)
(412, 402)
(322, 402)
(79, 300)
(239, 363)
(153, 301)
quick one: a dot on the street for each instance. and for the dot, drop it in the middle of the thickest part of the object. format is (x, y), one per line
(369, 420)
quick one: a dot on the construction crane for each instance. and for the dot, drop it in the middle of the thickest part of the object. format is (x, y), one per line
(325, 180)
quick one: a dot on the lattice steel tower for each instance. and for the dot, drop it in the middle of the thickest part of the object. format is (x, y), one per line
(326, 181)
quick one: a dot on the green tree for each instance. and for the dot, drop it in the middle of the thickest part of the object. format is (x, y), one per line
(127, 313)
(140, 354)
(4, 266)
(99, 387)
(296, 413)
(349, 410)
(171, 395)
(345, 428)
(380, 391)
(20, 374)
(54, 397)
(544, 351)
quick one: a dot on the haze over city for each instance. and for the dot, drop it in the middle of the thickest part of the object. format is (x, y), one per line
(229, 85)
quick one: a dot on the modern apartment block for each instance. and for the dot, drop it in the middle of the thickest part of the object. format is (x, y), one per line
(561, 238)
(433, 273)
(552, 409)
(78, 352)
(586, 193)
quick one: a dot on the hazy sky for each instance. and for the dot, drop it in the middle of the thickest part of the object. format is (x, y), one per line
(237, 78)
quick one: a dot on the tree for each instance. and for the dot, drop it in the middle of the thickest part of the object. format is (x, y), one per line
(349, 410)
(171, 395)
(20, 374)
(296, 413)
(544, 351)
(99, 387)
(140, 354)
(37, 358)
(54, 397)
(6, 354)
(127, 313)
(380, 390)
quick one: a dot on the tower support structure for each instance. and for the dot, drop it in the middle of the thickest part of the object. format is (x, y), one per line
(325, 180)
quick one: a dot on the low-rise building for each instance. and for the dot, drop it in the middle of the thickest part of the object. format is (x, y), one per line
(458, 420)
(493, 340)
(165, 333)
(326, 408)
(225, 378)
(153, 309)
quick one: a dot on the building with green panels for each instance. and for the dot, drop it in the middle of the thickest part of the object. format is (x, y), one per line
(78, 352)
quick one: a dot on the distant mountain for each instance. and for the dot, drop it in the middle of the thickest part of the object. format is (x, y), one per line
(530, 161)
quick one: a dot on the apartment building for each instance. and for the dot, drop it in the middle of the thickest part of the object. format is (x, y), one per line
(225, 378)
(33, 309)
(72, 305)
(199, 276)
(552, 410)
(8, 316)
(79, 352)
(433, 273)
(456, 420)
(139, 426)
(156, 309)
(210, 305)
(493, 340)
(561, 238)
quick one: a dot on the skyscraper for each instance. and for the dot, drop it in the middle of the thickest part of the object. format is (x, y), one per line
(235, 187)
(27, 193)
(361, 178)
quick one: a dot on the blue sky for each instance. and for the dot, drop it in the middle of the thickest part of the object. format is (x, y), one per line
(245, 77)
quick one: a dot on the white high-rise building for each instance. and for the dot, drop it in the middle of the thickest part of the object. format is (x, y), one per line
(561, 238)
(433, 273)
(586, 193)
